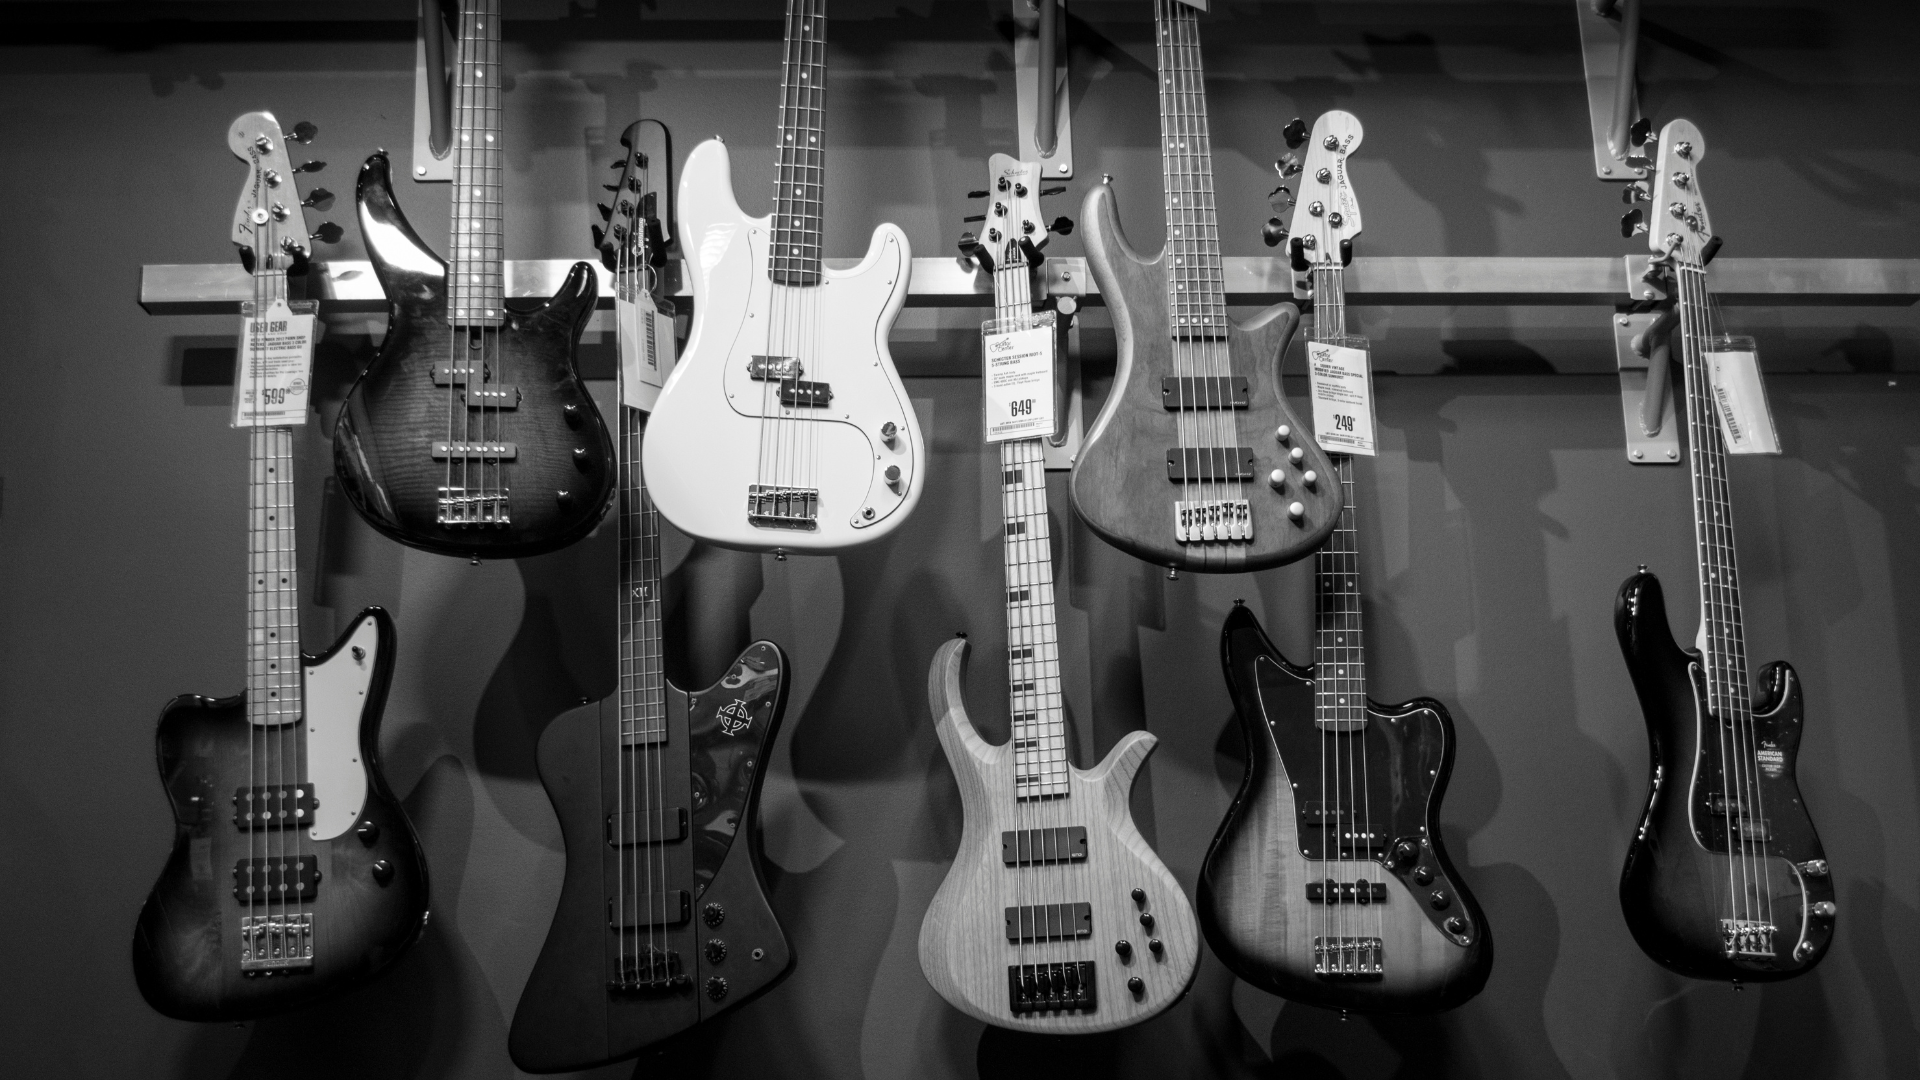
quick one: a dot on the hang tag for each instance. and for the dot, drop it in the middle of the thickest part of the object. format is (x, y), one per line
(273, 372)
(647, 347)
(1341, 382)
(1740, 398)
(1016, 358)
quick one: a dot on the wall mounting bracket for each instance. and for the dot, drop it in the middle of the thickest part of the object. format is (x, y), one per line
(432, 96)
(1646, 403)
(1041, 86)
(1609, 50)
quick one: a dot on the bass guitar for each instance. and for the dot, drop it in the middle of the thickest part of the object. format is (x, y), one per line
(1327, 882)
(785, 426)
(663, 919)
(471, 433)
(295, 874)
(1726, 878)
(1056, 916)
(1192, 390)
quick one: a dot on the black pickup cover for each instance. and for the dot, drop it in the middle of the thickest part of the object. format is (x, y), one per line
(1068, 987)
(1346, 892)
(276, 880)
(803, 394)
(668, 908)
(647, 827)
(1049, 922)
(1033, 847)
(1203, 464)
(1203, 391)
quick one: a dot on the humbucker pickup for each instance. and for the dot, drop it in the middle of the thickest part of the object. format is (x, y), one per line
(475, 451)
(1205, 464)
(636, 827)
(459, 508)
(772, 368)
(273, 807)
(651, 968)
(1067, 987)
(1346, 892)
(800, 394)
(275, 943)
(259, 881)
(1037, 847)
(772, 507)
(668, 908)
(1049, 922)
(1204, 392)
(1200, 521)
(1349, 958)
(1747, 939)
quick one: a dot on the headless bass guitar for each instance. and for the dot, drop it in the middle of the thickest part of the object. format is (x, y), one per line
(785, 426)
(1193, 392)
(1327, 882)
(1056, 916)
(471, 433)
(1726, 878)
(295, 874)
(663, 919)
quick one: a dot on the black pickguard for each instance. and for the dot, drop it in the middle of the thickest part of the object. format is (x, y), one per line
(1674, 888)
(712, 764)
(560, 481)
(186, 949)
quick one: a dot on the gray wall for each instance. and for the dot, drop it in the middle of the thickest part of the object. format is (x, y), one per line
(1496, 524)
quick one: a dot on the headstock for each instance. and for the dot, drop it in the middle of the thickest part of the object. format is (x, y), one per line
(1013, 230)
(269, 224)
(1677, 222)
(1326, 213)
(632, 238)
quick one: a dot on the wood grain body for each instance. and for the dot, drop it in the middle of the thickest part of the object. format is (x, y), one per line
(1252, 895)
(1120, 486)
(186, 947)
(568, 1017)
(1674, 888)
(394, 413)
(963, 944)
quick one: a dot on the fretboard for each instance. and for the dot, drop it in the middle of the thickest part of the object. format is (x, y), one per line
(800, 157)
(478, 285)
(643, 680)
(273, 584)
(1196, 288)
(1728, 695)
(1339, 655)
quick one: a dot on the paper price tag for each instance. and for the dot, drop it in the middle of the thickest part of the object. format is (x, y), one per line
(1017, 378)
(274, 370)
(647, 347)
(1342, 387)
(1740, 401)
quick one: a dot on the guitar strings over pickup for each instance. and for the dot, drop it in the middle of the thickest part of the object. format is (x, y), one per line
(1209, 464)
(261, 881)
(637, 827)
(1349, 958)
(668, 908)
(772, 507)
(1201, 521)
(1204, 392)
(774, 368)
(273, 807)
(480, 396)
(1039, 847)
(799, 394)
(458, 508)
(1747, 939)
(1068, 987)
(270, 943)
(1049, 922)
(475, 451)
(1346, 892)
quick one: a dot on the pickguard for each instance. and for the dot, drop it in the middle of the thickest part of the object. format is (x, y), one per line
(336, 699)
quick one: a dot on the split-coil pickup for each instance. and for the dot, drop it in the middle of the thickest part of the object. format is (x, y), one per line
(276, 880)
(668, 908)
(1204, 392)
(800, 394)
(1209, 464)
(774, 368)
(273, 807)
(1067, 987)
(636, 827)
(1049, 922)
(1039, 847)
(1346, 892)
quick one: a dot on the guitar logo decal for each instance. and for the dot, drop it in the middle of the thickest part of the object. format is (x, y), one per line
(734, 717)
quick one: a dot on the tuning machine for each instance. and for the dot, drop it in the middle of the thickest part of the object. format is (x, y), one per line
(1274, 232)
(319, 199)
(1635, 192)
(1295, 133)
(309, 166)
(327, 233)
(303, 132)
(1287, 166)
(1062, 226)
(1633, 223)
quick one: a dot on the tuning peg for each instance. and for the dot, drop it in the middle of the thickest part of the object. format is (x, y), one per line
(974, 217)
(1633, 223)
(1640, 132)
(1273, 232)
(1635, 192)
(978, 194)
(309, 166)
(303, 132)
(1287, 166)
(1295, 133)
(599, 236)
(1063, 225)
(1046, 191)
(319, 198)
(606, 212)
(327, 233)
(621, 164)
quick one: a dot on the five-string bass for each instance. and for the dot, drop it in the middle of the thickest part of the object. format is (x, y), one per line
(785, 426)
(1193, 392)
(295, 874)
(1327, 882)
(1056, 916)
(471, 433)
(1726, 878)
(663, 919)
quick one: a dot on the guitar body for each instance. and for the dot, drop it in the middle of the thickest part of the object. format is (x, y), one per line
(1119, 482)
(716, 429)
(1674, 889)
(1253, 898)
(964, 949)
(370, 901)
(729, 944)
(560, 480)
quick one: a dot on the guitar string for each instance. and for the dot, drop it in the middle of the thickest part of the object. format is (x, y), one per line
(1008, 282)
(625, 971)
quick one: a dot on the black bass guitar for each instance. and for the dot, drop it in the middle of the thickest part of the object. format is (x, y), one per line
(471, 433)
(1196, 398)
(663, 919)
(1726, 878)
(1327, 882)
(295, 874)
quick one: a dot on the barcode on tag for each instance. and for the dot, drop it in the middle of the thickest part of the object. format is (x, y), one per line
(1740, 401)
(647, 348)
(1341, 383)
(273, 372)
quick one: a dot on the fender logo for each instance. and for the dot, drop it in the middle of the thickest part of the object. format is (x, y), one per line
(734, 717)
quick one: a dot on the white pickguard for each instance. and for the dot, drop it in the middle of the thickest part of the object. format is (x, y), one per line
(716, 430)
(336, 699)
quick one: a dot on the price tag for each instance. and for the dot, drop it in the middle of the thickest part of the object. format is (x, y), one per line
(1017, 377)
(647, 348)
(1342, 385)
(1740, 401)
(274, 370)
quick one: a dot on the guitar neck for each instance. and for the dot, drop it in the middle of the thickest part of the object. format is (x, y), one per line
(800, 158)
(1339, 653)
(1196, 285)
(643, 679)
(478, 287)
(1725, 653)
(273, 583)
